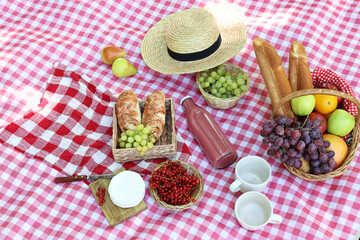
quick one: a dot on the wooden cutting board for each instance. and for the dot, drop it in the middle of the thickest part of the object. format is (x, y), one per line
(113, 213)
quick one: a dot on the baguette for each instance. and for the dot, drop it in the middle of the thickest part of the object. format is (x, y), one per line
(128, 111)
(154, 113)
(299, 72)
(274, 75)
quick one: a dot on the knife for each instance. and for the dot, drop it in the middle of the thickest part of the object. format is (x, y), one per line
(82, 178)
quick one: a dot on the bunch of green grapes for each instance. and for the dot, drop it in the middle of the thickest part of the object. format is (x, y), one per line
(140, 138)
(223, 84)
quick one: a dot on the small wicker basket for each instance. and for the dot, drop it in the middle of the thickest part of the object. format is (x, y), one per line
(196, 193)
(355, 133)
(165, 147)
(223, 103)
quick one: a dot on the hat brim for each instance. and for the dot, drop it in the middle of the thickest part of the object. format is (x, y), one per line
(155, 54)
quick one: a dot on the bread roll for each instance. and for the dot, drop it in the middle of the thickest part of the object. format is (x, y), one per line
(299, 72)
(128, 111)
(154, 113)
(274, 75)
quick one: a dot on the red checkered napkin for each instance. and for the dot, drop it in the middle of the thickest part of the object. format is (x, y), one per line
(321, 75)
(72, 128)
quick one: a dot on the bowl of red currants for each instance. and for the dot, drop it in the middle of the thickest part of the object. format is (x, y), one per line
(223, 86)
(176, 185)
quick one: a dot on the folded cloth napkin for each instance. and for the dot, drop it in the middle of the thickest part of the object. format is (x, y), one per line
(72, 127)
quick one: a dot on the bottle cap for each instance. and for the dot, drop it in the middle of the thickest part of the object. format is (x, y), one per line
(181, 101)
(226, 160)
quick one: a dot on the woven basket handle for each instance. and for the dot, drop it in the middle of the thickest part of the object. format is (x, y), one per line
(313, 91)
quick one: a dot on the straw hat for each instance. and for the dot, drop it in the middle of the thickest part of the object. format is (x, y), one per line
(192, 40)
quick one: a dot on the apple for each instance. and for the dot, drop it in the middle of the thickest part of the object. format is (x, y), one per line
(329, 85)
(316, 115)
(303, 106)
(340, 122)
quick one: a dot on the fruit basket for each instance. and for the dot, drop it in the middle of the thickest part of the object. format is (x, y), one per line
(165, 147)
(223, 103)
(196, 193)
(354, 140)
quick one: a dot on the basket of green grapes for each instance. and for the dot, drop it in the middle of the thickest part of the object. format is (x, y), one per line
(223, 86)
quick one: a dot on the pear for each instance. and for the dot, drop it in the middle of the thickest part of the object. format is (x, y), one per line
(110, 53)
(122, 68)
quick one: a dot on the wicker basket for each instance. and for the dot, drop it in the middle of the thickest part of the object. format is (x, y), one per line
(165, 147)
(223, 103)
(355, 132)
(196, 194)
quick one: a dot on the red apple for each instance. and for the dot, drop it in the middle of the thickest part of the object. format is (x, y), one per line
(316, 115)
(329, 85)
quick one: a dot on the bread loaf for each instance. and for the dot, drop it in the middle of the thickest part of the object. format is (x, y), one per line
(128, 111)
(154, 113)
(274, 75)
(299, 72)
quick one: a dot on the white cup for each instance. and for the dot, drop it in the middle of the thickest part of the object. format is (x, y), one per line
(253, 211)
(252, 173)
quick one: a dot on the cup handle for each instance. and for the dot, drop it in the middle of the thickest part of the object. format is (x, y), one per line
(276, 219)
(235, 186)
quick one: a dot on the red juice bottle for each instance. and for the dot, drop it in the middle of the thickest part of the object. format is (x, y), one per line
(216, 146)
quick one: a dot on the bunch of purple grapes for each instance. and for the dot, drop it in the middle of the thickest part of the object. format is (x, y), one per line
(290, 141)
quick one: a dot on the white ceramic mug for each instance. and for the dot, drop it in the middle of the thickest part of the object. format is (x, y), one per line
(253, 211)
(252, 173)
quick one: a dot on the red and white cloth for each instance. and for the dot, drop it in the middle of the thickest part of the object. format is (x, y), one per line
(72, 127)
(35, 34)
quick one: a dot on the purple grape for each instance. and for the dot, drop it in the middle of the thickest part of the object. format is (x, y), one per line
(315, 163)
(289, 122)
(323, 157)
(286, 144)
(322, 150)
(296, 134)
(325, 168)
(265, 140)
(326, 143)
(273, 137)
(298, 124)
(307, 139)
(298, 163)
(317, 170)
(293, 141)
(267, 130)
(332, 163)
(306, 156)
(262, 133)
(300, 146)
(314, 135)
(308, 124)
(271, 123)
(331, 153)
(279, 142)
(287, 132)
(304, 133)
(319, 143)
(290, 162)
(270, 152)
(292, 152)
(281, 120)
(314, 156)
(274, 148)
(317, 123)
(311, 149)
(284, 158)
(279, 130)
(277, 154)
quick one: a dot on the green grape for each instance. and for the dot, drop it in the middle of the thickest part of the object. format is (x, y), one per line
(229, 82)
(212, 80)
(139, 148)
(229, 88)
(218, 95)
(220, 71)
(144, 148)
(147, 130)
(237, 91)
(227, 74)
(218, 85)
(243, 88)
(234, 85)
(222, 67)
(150, 145)
(123, 134)
(123, 138)
(213, 90)
(240, 81)
(130, 140)
(130, 133)
(225, 85)
(204, 74)
(137, 138)
(128, 145)
(143, 142)
(142, 153)
(201, 79)
(207, 84)
(144, 137)
(136, 144)
(139, 127)
(122, 144)
(222, 90)
(213, 74)
(222, 80)
(202, 85)
(239, 76)
(224, 96)
(217, 77)
(152, 140)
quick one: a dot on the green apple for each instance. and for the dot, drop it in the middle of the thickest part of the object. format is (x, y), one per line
(340, 122)
(303, 106)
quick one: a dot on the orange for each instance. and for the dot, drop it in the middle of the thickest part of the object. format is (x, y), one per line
(339, 146)
(325, 104)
